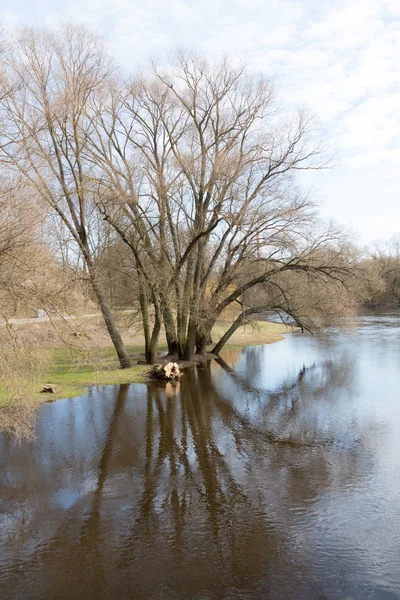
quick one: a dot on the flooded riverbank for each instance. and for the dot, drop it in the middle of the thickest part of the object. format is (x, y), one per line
(272, 473)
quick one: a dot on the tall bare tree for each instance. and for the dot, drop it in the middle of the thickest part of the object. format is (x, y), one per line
(195, 172)
(191, 166)
(50, 80)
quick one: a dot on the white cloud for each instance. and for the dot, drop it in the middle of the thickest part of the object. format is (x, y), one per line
(337, 57)
(347, 25)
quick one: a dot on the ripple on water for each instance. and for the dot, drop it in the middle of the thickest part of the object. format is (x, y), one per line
(272, 473)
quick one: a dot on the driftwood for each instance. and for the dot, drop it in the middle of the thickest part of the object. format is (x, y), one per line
(168, 371)
(49, 388)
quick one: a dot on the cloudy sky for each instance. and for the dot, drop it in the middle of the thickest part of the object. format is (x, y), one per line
(338, 58)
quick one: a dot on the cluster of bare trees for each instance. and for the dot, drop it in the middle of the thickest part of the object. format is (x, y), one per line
(382, 271)
(188, 172)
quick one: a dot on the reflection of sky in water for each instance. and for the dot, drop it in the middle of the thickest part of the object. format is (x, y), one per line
(278, 466)
(356, 526)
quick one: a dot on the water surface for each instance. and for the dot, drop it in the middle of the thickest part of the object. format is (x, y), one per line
(273, 473)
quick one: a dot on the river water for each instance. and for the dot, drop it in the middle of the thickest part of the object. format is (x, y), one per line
(271, 474)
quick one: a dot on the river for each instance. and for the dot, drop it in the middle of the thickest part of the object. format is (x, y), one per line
(273, 473)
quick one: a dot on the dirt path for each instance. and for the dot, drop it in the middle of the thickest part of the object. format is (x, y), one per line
(22, 321)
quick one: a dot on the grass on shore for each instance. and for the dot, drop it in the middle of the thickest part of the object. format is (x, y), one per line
(72, 372)
(260, 332)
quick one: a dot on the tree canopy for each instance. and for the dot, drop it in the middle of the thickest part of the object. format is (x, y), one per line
(191, 166)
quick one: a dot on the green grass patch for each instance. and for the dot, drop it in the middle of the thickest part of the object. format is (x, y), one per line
(72, 371)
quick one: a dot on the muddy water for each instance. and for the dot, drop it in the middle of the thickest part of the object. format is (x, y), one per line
(272, 474)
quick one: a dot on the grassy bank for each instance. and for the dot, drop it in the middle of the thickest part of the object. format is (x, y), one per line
(259, 333)
(71, 370)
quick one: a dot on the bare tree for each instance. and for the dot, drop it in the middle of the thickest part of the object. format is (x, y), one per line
(134, 186)
(311, 299)
(190, 166)
(195, 171)
(16, 223)
(19, 241)
(49, 82)
(384, 263)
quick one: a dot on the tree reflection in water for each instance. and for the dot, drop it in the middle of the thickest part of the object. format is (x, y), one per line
(186, 490)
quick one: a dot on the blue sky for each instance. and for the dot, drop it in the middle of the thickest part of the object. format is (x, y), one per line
(338, 58)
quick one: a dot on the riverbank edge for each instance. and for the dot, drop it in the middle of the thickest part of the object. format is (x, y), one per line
(72, 379)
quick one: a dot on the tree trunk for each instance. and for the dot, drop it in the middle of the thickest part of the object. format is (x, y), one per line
(184, 313)
(144, 309)
(190, 340)
(196, 298)
(115, 336)
(170, 331)
(181, 333)
(218, 347)
(203, 337)
(151, 351)
(201, 343)
(242, 317)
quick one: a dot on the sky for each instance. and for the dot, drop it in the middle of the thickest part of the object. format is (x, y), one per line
(340, 59)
